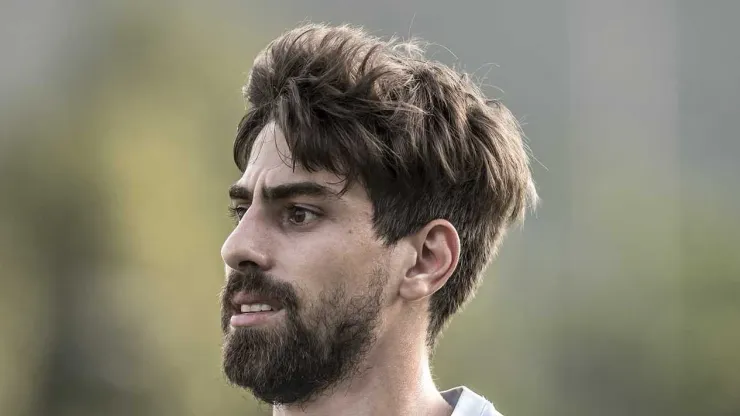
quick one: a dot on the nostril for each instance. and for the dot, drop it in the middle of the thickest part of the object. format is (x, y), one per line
(246, 264)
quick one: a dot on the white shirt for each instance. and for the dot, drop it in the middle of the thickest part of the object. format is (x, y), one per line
(467, 403)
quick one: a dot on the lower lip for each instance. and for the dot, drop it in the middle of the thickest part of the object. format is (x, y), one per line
(252, 318)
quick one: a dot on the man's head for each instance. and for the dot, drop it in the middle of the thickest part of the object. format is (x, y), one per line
(376, 187)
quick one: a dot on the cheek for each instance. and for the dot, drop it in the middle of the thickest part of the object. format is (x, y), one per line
(329, 260)
(309, 262)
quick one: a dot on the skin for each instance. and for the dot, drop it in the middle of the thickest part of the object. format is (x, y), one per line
(317, 242)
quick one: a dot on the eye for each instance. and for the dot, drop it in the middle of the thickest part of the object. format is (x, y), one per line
(300, 216)
(236, 213)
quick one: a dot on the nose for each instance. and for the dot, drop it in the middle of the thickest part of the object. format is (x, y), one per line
(247, 245)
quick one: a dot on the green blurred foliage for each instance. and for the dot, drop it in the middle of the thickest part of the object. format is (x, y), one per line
(113, 178)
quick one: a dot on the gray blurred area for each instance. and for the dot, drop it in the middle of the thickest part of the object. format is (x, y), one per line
(620, 295)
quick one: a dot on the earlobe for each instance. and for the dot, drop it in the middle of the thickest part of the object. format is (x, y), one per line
(437, 249)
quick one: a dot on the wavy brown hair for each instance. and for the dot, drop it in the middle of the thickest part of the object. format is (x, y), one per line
(419, 136)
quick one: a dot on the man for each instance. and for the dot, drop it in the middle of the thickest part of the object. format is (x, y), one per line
(376, 187)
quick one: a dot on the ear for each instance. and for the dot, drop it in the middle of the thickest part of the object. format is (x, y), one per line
(437, 249)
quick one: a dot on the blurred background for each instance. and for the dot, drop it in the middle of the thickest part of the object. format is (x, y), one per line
(621, 295)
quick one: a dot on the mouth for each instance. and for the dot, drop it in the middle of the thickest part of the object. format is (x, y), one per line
(250, 309)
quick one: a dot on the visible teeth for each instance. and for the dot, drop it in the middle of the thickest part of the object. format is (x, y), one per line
(255, 307)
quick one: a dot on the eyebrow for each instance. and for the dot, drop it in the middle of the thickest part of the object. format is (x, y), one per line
(285, 191)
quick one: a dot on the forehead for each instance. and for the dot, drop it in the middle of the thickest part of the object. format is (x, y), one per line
(270, 164)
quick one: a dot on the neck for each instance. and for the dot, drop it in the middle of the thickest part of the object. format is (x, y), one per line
(396, 380)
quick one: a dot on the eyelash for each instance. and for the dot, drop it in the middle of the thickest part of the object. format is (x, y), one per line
(237, 212)
(234, 213)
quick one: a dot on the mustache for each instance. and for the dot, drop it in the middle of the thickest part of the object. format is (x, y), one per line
(260, 283)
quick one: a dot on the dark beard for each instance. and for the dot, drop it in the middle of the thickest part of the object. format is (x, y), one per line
(294, 362)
